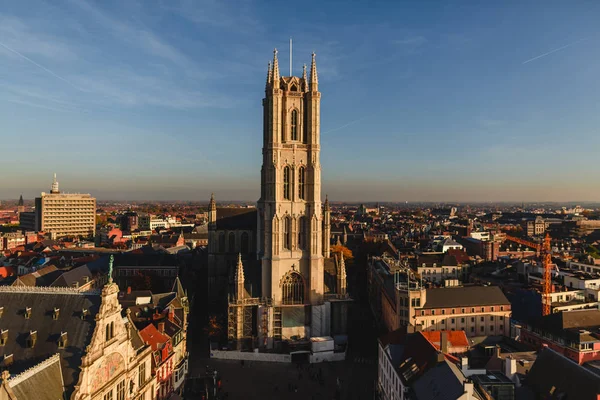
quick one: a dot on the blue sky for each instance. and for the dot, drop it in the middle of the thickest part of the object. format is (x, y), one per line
(421, 101)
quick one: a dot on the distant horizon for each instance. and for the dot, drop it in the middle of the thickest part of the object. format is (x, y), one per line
(350, 202)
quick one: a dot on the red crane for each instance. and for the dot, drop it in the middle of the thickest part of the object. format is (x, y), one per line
(545, 250)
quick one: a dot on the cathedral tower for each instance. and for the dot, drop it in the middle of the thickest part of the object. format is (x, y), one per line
(290, 219)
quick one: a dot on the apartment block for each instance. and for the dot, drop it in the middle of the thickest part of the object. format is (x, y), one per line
(65, 214)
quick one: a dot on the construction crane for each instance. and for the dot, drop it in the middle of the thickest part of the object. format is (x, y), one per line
(545, 251)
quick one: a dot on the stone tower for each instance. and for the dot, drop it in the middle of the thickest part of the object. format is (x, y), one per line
(290, 219)
(21, 205)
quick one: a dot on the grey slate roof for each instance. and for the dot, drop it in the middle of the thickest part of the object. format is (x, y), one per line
(553, 372)
(465, 296)
(68, 278)
(236, 218)
(442, 382)
(42, 302)
(44, 382)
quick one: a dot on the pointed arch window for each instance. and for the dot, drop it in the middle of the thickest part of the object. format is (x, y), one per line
(231, 242)
(302, 233)
(294, 125)
(245, 243)
(292, 289)
(301, 183)
(222, 242)
(287, 233)
(287, 172)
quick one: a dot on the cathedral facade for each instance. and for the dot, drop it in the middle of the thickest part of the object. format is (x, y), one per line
(278, 293)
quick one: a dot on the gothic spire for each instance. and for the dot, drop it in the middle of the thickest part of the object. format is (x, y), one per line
(21, 203)
(327, 207)
(239, 273)
(275, 69)
(341, 276)
(304, 78)
(269, 75)
(239, 279)
(314, 79)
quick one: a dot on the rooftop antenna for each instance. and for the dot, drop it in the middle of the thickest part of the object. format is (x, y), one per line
(290, 56)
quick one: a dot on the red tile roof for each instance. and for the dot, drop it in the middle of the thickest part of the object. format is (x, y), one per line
(153, 337)
(455, 338)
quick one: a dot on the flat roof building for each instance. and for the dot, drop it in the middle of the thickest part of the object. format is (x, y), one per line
(65, 214)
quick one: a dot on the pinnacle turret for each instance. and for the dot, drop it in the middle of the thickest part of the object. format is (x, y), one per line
(314, 78)
(304, 79)
(239, 279)
(327, 207)
(276, 75)
(269, 75)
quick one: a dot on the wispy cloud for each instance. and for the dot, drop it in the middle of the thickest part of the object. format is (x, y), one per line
(136, 36)
(39, 66)
(33, 40)
(555, 50)
(344, 126)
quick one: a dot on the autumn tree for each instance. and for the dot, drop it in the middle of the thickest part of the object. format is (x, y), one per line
(214, 327)
(338, 248)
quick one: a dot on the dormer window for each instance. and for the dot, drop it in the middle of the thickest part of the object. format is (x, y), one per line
(62, 341)
(32, 339)
(27, 312)
(3, 337)
(8, 359)
(84, 313)
(55, 313)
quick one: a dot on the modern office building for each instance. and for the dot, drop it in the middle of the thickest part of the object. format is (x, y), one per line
(64, 214)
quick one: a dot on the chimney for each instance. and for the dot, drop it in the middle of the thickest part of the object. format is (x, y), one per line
(498, 352)
(128, 289)
(464, 364)
(444, 342)
(440, 357)
(510, 367)
(161, 327)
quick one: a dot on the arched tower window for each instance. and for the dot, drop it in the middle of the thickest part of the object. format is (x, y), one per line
(287, 233)
(302, 233)
(222, 242)
(301, 181)
(286, 183)
(294, 125)
(245, 243)
(292, 289)
(231, 242)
